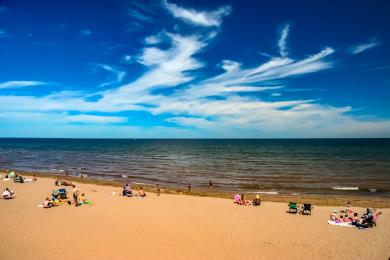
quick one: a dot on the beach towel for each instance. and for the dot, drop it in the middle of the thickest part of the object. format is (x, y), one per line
(342, 224)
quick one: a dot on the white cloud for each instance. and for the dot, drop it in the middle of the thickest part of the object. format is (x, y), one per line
(226, 104)
(20, 84)
(282, 43)
(94, 119)
(363, 47)
(201, 18)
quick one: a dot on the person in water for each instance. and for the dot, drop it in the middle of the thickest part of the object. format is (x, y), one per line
(210, 184)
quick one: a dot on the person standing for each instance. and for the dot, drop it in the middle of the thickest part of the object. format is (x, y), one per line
(211, 184)
(76, 196)
(189, 187)
(158, 189)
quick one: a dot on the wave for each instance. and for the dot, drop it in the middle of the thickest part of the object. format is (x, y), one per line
(265, 192)
(345, 188)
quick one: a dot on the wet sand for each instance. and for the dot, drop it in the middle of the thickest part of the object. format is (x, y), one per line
(174, 227)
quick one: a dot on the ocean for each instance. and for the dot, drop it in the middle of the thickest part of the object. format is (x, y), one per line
(273, 166)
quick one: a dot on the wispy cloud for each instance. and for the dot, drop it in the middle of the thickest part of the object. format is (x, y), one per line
(379, 68)
(363, 47)
(238, 100)
(85, 33)
(94, 119)
(201, 18)
(20, 84)
(3, 34)
(3, 9)
(282, 43)
(117, 75)
(137, 15)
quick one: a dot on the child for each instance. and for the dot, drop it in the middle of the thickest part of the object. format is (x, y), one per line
(83, 199)
(348, 209)
(141, 192)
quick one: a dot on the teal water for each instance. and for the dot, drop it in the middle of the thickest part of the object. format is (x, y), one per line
(283, 166)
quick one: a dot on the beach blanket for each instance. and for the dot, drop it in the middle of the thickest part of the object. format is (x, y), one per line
(342, 224)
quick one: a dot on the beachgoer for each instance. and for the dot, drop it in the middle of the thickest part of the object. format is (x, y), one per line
(83, 199)
(189, 186)
(47, 203)
(141, 192)
(210, 184)
(257, 201)
(348, 209)
(7, 194)
(76, 196)
(35, 178)
(158, 189)
(333, 215)
(128, 189)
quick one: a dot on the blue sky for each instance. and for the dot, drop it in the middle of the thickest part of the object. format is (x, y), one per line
(193, 69)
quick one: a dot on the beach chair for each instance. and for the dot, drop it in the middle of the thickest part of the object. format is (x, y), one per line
(62, 194)
(292, 207)
(18, 178)
(306, 210)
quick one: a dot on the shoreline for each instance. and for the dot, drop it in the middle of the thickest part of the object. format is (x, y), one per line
(314, 199)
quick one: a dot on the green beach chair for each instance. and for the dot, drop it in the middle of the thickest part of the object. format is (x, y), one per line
(292, 207)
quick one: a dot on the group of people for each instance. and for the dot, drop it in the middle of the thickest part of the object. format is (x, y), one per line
(8, 193)
(60, 196)
(127, 191)
(240, 200)
(352, 218)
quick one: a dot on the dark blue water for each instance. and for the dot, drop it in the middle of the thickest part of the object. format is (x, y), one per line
(284, 166)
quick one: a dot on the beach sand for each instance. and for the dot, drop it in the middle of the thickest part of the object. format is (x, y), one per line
(174, 227)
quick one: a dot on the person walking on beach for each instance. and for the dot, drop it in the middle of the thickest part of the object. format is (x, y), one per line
(75, 196)
(189, 187)
(158, 189)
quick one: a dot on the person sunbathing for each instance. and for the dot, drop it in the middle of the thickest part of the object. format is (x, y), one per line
(8, 194)
(47, 203)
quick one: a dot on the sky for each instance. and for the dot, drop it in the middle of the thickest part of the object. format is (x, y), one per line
(194, 69)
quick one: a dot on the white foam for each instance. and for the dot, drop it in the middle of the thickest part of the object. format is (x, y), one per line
(345, 188)
(124, 176)
(265, 192)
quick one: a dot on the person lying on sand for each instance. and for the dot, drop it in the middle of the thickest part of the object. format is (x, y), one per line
(8, 194)
(63, 183)
(48, 203)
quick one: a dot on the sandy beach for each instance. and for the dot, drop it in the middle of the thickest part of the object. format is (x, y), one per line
(174, 227)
